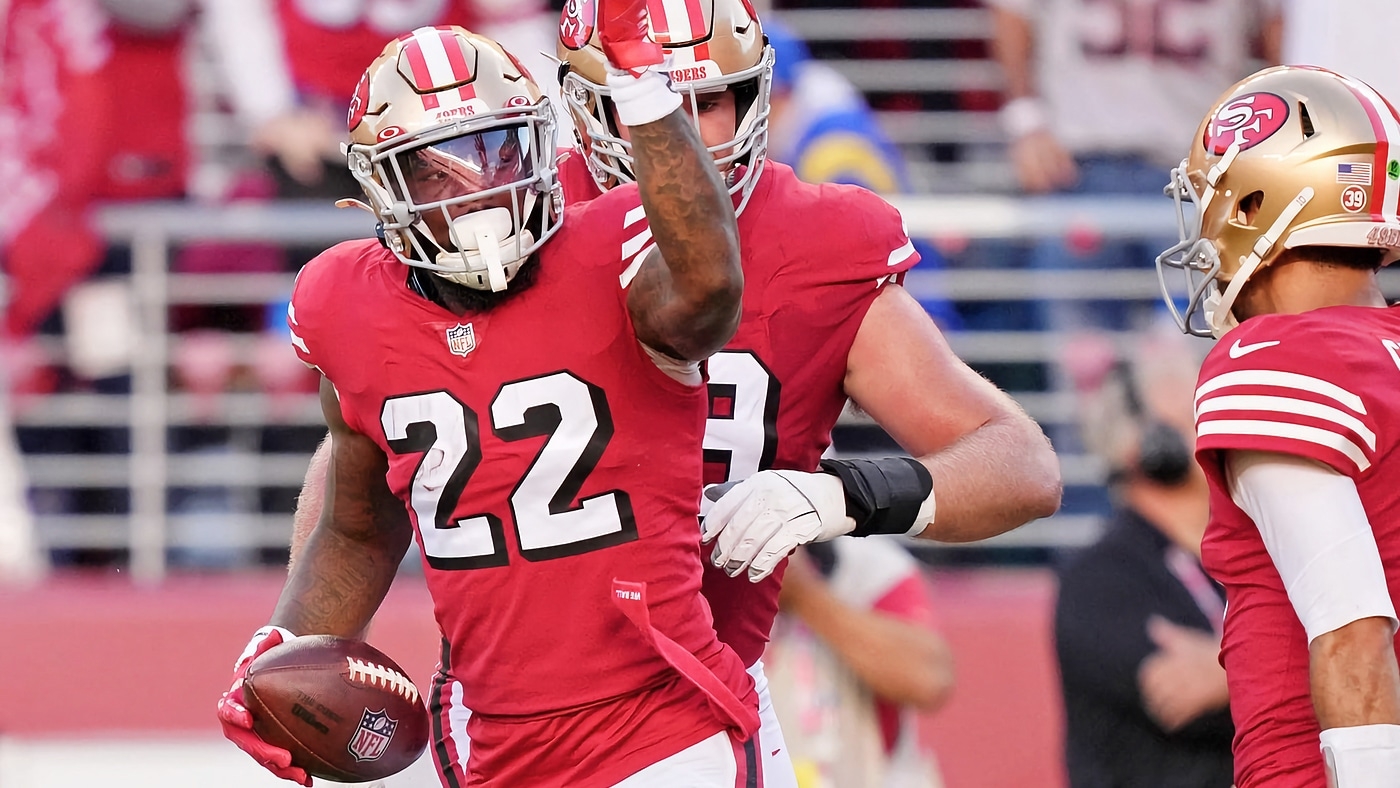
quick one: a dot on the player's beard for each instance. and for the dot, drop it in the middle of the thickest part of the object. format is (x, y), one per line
(460, 299)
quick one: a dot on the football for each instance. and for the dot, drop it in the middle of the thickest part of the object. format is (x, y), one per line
(343, 709)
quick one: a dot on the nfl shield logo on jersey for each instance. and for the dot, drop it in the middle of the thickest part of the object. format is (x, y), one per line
(461, 339)
(372, 738)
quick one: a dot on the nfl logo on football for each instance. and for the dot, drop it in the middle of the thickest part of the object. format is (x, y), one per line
(372, 738)
(461, 339)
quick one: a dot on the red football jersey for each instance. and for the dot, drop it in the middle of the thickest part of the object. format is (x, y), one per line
(814, 257)
(543, 457)
(575, 178)
(1319, 385)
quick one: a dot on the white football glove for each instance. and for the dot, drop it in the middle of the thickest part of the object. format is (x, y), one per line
(764, 518)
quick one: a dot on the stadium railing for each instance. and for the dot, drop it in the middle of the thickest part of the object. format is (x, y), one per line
(150, 469)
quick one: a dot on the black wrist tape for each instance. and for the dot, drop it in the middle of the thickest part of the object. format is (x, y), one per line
(882, 496)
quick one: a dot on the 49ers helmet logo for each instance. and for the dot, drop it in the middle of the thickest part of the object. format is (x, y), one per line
(576, 23)
(1245, 120)
(359, 104)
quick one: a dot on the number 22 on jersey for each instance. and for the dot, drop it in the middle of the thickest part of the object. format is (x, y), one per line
(574, 418)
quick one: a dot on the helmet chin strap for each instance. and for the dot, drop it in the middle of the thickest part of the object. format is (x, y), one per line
(1219, 305)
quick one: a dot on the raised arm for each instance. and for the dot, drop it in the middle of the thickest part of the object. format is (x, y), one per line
(349, 559)
(685, 299)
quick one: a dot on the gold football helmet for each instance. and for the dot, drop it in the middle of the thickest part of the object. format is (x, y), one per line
(713, 45)
(1292, 156)
(453, 144)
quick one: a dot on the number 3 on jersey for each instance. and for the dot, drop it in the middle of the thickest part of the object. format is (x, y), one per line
(741, 433)
(574, 416)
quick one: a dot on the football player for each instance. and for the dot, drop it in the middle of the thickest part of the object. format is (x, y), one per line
(1288, 206)
(824, 319)
(491, 385)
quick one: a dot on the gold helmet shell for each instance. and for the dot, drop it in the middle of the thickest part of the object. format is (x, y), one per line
(711, 45)
(454, 104)
(1292, 156)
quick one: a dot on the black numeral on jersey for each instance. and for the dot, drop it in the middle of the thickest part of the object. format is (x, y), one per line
(574, 416)
(741, 433)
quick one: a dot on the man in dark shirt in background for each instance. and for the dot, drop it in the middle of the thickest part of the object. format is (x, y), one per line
(1137, 620)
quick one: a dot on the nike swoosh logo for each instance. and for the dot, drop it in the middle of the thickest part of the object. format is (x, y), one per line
(1237, 350)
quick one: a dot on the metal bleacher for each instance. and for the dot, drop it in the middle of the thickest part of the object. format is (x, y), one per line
(958, 153)
(938, 100)
(153, 410)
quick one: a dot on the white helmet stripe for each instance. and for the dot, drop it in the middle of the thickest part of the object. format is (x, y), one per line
(676, 28)
(434, 49)
(1387, 129)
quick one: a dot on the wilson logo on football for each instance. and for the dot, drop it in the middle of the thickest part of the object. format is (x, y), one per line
(1245, 120)
(371, 739)
(576, 23)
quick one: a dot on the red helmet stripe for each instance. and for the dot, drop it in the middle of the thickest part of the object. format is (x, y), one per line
(422, 76)
(697, 21)
(460, 71)
(1385, 192)
(455, 60)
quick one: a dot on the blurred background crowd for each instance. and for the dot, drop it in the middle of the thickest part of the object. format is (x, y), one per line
(169, 164)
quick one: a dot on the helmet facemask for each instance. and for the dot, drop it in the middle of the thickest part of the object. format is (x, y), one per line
(1195, 259)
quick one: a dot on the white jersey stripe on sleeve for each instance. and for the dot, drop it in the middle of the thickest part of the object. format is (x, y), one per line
(299, 343)
(901, 254)
(1298, 407)
(1279, 429)
(633, 216)
(633, 244)
(1288, 380)
(630, 272)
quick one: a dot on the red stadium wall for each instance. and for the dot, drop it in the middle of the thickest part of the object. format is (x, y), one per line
(92, 656)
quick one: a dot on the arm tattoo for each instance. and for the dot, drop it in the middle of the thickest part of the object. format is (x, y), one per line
(349, 561)
(689, 306)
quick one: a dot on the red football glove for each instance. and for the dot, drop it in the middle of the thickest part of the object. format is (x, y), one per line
(622, 32)
(237, 722)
